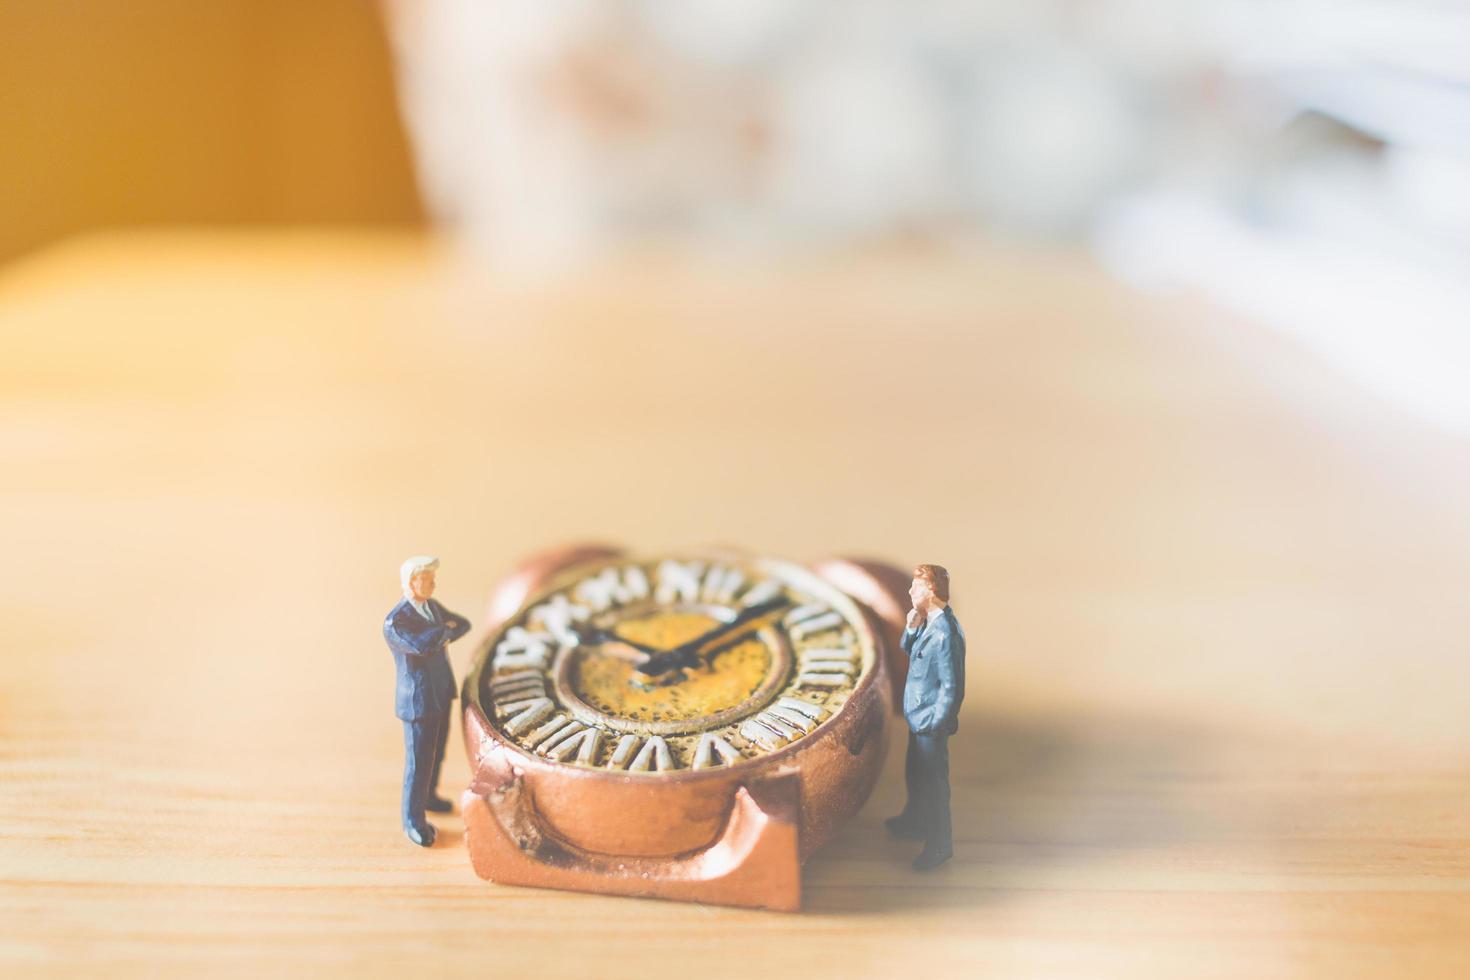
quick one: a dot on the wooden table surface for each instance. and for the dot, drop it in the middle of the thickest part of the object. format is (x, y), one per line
(1217, 718)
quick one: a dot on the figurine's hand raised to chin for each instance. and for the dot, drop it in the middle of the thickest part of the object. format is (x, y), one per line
(915, 620)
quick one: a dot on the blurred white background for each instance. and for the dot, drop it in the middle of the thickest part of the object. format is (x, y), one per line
(1305, 162)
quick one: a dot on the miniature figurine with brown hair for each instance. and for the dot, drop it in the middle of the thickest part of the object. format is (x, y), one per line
(419, 630)
(932, 695)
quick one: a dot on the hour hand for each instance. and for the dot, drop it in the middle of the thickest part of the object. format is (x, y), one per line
(616, 646)
(608, 636)
(689, 654)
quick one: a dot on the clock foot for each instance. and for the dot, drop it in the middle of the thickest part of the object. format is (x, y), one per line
(754, 862)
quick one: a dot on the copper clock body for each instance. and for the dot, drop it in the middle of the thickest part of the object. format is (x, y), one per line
(713, 776)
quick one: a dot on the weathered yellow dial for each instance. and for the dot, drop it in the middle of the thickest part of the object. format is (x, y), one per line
(665, 664)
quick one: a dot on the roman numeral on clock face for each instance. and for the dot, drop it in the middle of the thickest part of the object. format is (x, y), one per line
(721, 584)
(563, 738)
(573, 740)
(714, 751)
(787, 719)
(556, 615)
(718, 584)
(520, 698)
(524, 715)
(814, 617)
(517, 686)
(678, 581)
(761, 592)
(522, 648)
(829, 667)
(612, 587)
(636, 755)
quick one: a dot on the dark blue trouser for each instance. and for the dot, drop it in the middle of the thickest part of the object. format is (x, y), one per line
(424, 741)
(926, 775)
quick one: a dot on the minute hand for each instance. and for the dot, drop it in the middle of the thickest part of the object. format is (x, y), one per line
(689, 654)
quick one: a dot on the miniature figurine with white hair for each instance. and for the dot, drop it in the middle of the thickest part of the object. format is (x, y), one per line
(419, 630)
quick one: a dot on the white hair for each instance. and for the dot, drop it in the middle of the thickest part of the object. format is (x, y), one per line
(414, 565)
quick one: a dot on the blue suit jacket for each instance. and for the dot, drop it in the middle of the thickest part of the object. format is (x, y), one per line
(935, 686)
(425, 682)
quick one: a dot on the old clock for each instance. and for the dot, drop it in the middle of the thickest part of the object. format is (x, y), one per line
(685, 726)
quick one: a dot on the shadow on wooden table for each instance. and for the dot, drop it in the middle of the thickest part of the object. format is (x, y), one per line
(1038, 799)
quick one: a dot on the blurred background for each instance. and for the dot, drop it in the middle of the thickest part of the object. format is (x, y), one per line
(1304, 162)
(1150, 319)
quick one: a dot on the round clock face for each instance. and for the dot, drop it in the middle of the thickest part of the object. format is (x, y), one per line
(671, 664)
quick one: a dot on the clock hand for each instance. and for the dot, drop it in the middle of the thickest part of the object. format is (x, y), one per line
(614, 645)
(608, 636)
(688, 654)
(624, 651)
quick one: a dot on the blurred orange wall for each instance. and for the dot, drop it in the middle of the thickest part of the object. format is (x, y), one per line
(125, 112)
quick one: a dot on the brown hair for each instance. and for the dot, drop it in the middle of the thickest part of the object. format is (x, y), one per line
(937, 577)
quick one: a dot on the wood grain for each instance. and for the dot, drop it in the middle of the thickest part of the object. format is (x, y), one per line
(1215, 595)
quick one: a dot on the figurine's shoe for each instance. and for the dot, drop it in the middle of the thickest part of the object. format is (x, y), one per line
(438, 804)
(903, 828)
(928, 859)
(422, 835)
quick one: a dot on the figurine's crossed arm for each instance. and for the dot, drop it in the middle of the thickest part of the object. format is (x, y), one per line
(419, 642)
(456, 624)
